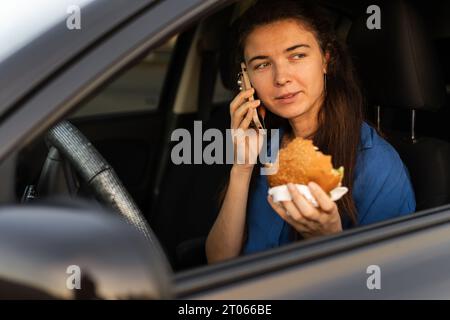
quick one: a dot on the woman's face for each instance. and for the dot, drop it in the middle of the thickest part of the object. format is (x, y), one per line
(286, 67)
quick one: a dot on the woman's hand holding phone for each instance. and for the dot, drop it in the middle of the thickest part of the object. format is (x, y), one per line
(247, 141)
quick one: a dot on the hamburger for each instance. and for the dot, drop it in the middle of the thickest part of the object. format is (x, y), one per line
(300, 162)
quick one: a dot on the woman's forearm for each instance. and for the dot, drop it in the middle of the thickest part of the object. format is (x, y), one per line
(226, 237)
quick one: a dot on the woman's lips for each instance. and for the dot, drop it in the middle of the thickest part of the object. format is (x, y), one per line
(289, 98)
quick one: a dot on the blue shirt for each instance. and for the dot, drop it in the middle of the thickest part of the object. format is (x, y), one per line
(381, 190)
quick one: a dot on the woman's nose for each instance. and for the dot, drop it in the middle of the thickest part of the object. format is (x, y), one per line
(281, 76)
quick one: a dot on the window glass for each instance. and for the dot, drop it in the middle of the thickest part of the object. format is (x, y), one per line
(138, 89)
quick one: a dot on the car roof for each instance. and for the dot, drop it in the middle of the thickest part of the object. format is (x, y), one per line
(42, 52)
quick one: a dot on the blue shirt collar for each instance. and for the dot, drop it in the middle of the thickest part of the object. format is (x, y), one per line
(367, 133)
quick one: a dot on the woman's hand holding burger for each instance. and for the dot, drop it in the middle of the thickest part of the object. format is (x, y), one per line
(300, 162)
(308, 220)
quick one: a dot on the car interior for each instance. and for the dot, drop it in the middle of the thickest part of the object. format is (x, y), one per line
(405, 75)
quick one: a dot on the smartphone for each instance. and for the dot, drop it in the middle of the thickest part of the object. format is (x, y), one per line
(258, 116)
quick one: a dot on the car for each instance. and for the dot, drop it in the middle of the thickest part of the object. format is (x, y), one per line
(93, 207)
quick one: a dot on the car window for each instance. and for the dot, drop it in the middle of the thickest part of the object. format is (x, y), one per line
(221, 94)
(138, 89)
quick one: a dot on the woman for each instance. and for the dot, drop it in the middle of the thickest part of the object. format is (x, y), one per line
(305, 79)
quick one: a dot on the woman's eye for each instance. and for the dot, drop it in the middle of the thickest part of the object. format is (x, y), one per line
(261, 65)
(299, 56)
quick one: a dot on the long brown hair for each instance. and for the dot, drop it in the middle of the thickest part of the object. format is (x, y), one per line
(341, 115)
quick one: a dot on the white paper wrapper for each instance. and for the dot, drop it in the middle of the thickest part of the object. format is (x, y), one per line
(281, 193)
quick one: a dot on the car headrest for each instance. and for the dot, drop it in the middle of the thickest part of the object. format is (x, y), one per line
(397, 63)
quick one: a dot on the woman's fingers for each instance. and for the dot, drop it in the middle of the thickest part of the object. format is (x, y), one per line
(323, 200)
(247, 119)
(304, 217)
(287, 215)
(240, 113)
(239, 108)
(293, 212)
(240, 99)
(306, 209)
(278, 208)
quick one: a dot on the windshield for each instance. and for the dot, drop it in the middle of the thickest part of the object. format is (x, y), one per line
(22, 21)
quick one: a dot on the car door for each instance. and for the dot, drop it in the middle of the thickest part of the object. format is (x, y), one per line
(407, 258)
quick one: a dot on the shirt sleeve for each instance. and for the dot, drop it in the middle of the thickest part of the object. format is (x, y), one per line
(382, 188)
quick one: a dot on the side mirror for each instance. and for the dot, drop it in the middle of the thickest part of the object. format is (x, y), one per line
(66, 252)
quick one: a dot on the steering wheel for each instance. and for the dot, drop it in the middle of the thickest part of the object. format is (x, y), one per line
(97, 173)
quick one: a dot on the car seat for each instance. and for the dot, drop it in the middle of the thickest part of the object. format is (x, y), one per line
(399, 69)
